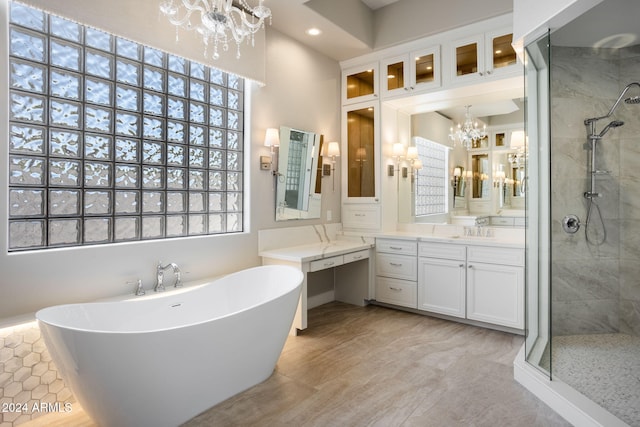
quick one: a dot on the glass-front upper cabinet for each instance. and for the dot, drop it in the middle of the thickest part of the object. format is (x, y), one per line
(361, 148)
(410, 73)
(483, 56)
(360, 83)
(500, 55)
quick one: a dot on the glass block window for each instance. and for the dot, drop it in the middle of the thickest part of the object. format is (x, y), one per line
(431, 182)
(113, 141)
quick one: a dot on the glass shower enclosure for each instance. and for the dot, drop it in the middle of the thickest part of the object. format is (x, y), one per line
(583, 238)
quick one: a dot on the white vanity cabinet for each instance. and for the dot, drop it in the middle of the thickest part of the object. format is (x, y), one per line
(396, 272)
(441, 278)
(474, 282)
(495, 285)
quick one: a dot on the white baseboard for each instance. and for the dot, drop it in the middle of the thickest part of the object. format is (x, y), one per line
(567, 402)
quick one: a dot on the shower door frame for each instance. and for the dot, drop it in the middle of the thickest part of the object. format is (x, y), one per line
(538, 202)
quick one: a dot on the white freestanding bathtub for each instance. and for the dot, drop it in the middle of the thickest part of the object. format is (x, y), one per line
(160, 361)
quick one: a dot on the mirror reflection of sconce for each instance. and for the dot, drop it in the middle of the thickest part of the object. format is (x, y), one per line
(271, 140)
(331, 150)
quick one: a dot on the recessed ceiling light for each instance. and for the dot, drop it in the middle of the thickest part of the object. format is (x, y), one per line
(314, 32)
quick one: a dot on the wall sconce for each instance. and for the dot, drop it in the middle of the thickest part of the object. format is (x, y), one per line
(271, 140)
(398, 154)
(332, 150)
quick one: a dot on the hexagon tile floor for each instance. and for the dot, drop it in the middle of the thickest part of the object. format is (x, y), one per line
(29, 382)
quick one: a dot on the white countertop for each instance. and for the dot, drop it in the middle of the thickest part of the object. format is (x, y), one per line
(318, 250)
(456, 236)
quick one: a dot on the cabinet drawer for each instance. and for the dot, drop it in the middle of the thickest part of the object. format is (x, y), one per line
(442, 250)
(356, 256)
(321, 264)
(494, 255)
(398, 292)
(361, 217)
(406, 247)
(397, 266)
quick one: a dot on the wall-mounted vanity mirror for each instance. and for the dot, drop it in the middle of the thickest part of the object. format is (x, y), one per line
(474, 191)
(298, 189)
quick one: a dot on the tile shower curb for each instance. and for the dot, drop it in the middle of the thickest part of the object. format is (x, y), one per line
(567, 402)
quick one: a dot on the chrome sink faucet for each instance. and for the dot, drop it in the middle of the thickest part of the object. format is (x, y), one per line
(160, 276)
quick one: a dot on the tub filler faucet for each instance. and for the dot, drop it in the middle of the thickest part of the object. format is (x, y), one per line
(160, 276)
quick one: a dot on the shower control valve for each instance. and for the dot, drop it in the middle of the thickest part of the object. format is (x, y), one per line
(571, 224)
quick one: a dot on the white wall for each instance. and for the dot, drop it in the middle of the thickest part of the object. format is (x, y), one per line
(302, 91)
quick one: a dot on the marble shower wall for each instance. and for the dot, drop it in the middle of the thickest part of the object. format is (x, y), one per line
(594, 286)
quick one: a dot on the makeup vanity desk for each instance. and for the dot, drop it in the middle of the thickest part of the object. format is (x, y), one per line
(321, 255)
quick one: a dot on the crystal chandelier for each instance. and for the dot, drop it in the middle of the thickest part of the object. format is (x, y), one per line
(467, 133)
(219, 21)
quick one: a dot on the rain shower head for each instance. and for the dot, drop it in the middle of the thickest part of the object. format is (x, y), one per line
(631, 100)
(613, 124)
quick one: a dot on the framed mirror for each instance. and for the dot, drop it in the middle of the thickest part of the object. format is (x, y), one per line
(298, 187)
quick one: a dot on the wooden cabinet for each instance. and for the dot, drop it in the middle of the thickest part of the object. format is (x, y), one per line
(442, 286)
(361, 166)
(396, 272)
(482, 56)
(442, 278)
(481, 283)
(360, 83)
(411, 73)
(495, 286)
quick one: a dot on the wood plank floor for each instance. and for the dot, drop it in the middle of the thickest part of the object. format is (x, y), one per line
(373, 366)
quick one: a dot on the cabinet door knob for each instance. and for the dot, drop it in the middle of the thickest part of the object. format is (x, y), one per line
(471, 266)
(461, 265)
